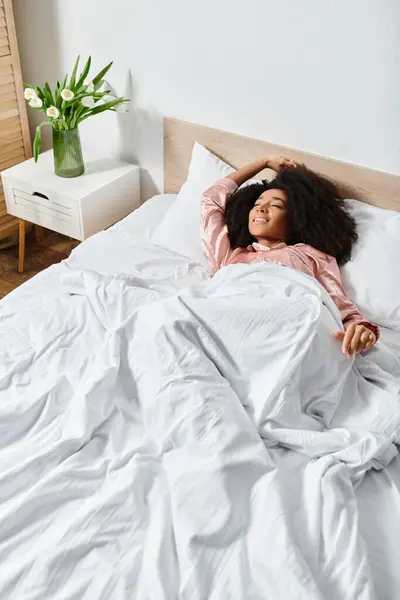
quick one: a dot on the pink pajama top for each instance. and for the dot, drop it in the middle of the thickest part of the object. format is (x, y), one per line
(301, 257)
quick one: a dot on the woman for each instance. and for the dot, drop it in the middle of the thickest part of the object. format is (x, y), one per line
(297, 220)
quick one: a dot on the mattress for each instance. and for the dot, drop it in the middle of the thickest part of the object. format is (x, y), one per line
(378, 495)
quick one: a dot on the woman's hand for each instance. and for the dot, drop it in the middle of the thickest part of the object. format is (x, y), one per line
(356, 339)
(277, 163)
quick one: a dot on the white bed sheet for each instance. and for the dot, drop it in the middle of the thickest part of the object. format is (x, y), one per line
(391, 339)
(135, 228)
(378, 499)
(378, 495)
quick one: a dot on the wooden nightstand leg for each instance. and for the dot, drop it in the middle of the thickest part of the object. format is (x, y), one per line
(21, 254)
(38, 233)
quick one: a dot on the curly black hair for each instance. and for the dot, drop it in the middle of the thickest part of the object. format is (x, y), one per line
(317, 214)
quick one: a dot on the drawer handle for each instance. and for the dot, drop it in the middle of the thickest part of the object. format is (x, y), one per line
(40, 195)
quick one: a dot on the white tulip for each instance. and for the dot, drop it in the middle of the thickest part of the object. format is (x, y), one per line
(121, 108)
(109, 98)
(88, 102)
(89, 86)
(67, 94)
(99, 102)
(30, 94)
(35, 102)
(53, 112)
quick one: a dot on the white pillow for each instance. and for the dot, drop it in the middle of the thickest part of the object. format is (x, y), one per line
(372, 277)
(143, 221)
(179, 231)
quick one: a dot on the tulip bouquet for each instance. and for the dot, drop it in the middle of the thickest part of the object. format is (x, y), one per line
(70, 103)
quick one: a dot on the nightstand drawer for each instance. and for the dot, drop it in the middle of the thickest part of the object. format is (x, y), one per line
(43, 205)
(52, 212)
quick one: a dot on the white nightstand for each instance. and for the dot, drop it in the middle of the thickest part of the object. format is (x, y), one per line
(78, 207)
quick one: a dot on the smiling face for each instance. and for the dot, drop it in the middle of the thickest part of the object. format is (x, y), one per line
(268, 218)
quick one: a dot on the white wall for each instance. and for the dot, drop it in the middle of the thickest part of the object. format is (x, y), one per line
(322, 76)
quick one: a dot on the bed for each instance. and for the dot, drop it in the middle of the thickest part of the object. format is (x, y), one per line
(130, 469)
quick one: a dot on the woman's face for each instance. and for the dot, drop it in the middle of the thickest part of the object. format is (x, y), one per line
(268, 217)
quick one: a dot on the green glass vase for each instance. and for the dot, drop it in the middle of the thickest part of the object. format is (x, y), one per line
(68, 159)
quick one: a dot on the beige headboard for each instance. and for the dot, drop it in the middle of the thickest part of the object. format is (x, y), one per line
(374, 187)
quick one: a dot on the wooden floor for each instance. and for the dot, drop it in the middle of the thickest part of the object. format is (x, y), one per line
(38, 256)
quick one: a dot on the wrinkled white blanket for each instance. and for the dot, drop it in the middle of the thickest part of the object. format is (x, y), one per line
(203, 443)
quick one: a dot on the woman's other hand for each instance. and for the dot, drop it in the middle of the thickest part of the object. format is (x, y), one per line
(356, 339)
(277, 163)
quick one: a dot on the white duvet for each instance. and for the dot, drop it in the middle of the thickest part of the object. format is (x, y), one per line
(167, 436)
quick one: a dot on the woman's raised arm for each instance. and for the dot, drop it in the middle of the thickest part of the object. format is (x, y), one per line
(276, 163)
